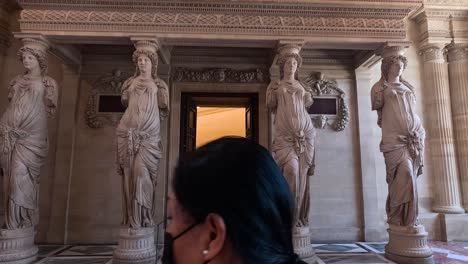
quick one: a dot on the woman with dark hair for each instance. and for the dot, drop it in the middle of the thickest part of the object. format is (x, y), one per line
(230, 204)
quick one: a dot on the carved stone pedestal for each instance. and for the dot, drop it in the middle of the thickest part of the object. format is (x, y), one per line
(136, 246)
(302, 245)
(408, 245)
(17, 246)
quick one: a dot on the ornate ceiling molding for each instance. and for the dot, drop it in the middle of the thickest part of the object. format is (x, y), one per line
(218, 19)
(441, 21)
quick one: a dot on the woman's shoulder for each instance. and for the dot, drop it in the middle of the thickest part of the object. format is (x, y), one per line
(16, 79)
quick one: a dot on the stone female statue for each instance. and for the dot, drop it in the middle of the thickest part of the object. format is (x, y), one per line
(138, 138)
(293, 144)
(23, 138)
(402, 140)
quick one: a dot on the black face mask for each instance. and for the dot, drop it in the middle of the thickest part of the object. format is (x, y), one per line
(168, 256)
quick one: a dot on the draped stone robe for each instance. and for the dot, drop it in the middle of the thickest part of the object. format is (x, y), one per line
(24, 147)
(139, 147)
(293, 144)
(403, 148)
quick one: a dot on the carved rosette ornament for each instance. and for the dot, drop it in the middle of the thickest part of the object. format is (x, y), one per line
(324, 88)
(23, 150)
(293, 145)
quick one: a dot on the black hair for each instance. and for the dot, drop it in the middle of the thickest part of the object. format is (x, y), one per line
(238, 179)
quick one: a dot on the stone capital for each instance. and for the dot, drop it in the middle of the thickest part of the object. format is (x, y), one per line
(148, 44)
(457, 52)
(289, 48)
(34, 41)
(392, 49)
(433, 53)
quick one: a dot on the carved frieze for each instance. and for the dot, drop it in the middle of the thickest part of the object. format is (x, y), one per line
(271, 19)
(323, 88)
(220, 75)
(107, 87)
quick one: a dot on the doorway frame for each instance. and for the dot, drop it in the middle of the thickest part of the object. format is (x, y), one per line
(242, 100)
(177, 88)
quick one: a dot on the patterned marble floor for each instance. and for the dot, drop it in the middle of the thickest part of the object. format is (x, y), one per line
(339, 253)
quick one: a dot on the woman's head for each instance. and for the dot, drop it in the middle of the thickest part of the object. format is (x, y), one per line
(393, 66)
(236, 197)
(289, 64)
(145, 61)
(32, 58)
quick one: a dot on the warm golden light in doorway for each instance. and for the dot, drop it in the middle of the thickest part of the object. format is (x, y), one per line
(216, 122)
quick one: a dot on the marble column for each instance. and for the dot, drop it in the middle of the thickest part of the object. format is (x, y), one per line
(458, 73)
(440, 128)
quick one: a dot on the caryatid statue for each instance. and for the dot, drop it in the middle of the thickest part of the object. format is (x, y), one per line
(24, 137)
(402, 140)
(402, 145)
(138, 136)
(294, 133)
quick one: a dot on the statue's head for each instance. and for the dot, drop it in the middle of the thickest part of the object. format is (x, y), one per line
(393, 66)
(145, 57)
(145, 61)
(289, 60)
(33, 58)
(289, 64)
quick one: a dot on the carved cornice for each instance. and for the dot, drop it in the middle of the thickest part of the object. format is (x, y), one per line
(442, 20)
(257, 19)
(385, 9)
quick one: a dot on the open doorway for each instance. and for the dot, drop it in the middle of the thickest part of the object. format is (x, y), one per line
(207, 116)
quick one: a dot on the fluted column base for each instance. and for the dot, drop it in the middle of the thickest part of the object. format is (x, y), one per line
(302, 245)
(408, 245)
(446, 209)
(17, 246)
(136, 246)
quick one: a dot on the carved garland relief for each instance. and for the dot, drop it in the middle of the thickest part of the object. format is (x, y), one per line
(106, 91)
(323, 88)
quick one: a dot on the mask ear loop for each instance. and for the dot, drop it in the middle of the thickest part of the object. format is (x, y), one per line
(185, 231)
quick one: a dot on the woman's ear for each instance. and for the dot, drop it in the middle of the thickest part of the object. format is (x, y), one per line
(216, 237)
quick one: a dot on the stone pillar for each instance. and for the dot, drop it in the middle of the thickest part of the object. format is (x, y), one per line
(67, 118)
(458, 72)
(440, 128)
(371, 159)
